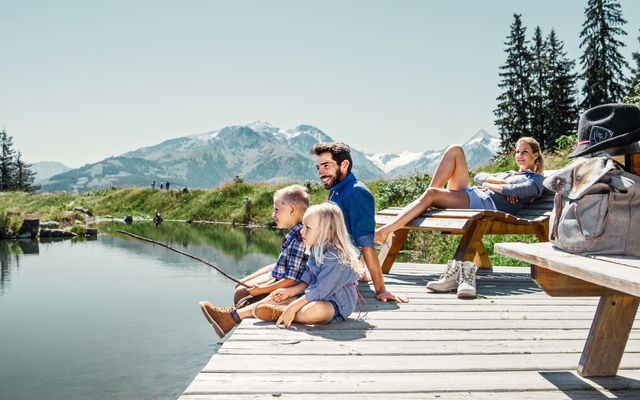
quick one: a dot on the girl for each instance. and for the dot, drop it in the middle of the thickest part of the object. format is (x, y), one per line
(507, 191)
(328, 285)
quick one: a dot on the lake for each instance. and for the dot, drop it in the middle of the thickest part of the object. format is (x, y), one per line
(115, 317)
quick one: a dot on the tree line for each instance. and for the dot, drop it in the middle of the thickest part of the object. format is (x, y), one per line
(15, 174)
(539, 95)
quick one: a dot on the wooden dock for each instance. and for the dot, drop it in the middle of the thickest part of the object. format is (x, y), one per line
(513, 342)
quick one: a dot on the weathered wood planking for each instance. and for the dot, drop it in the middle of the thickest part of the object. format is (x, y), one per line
(515, 342)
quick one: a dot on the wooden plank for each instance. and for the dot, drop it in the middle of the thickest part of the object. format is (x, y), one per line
(378, 383)
(435, 224)
(396, 348)
(614, 276)
(362, 327)
(292, 363)
(588, 394)
(557, 284)
(488, 335)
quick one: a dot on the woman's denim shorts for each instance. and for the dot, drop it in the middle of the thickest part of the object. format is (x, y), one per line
(479, 199)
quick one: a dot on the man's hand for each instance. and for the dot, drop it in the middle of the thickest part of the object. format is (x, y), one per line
(385, 296)
(512, 199)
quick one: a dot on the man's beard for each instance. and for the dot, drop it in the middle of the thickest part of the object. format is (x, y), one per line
(334, 180)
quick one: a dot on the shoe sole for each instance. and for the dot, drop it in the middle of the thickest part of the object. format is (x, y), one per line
(213, 323)
(442, 290)
(467, 295)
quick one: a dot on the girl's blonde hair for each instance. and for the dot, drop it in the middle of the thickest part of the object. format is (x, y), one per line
(332, 233)
(535, 147)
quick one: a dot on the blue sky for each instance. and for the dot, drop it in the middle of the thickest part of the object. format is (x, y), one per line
(85, 80)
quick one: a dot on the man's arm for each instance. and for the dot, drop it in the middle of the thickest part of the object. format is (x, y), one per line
(373, 265)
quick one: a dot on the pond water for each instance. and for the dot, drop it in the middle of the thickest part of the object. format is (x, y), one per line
(114, 317)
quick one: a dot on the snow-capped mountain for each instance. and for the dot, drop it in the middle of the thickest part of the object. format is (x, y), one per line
(257, 152)
(479, 150)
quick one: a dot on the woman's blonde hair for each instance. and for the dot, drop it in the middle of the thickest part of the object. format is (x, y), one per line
(332, 233)
(535, 147)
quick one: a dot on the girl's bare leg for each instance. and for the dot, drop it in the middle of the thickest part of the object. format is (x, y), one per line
(452, 171)
(316, 312)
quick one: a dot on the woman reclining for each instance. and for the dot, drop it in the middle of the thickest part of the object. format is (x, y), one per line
(506, 191)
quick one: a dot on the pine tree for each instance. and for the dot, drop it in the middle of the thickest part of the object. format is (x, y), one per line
(538, 99)
(562, 108)
(602, 64)
(634, 82)
(6, 161)
(23, 176)
(512, 114)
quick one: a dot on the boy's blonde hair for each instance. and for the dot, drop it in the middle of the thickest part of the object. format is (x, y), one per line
(535, 147)
(332, 233)
(294, 194)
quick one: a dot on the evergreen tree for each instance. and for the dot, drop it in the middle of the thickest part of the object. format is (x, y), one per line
(538, 99)
(6, 161)
(634, 82)
(602, 64)
(512, 114)
(23, 176)
(562, 108)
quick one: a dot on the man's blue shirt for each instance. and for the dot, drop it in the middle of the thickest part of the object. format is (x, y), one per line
(358, 207)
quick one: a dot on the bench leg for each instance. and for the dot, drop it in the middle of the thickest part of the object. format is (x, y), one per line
(396, 245)
(608, 335)
(471, 247)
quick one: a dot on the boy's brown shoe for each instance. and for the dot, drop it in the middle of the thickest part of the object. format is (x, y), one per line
(269, 312)
(220, 319)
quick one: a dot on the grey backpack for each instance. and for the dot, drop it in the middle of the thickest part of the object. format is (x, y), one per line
(596, 208)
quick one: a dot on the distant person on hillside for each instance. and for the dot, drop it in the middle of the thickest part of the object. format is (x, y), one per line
(153, 184)
(506, 191)
(157, 219)
(166, 186)
(161, 186)
(289, 206)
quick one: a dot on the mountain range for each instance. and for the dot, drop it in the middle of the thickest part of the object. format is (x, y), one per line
(257, 152)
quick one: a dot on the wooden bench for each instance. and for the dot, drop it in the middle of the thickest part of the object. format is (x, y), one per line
(616, 280)
(472, 225)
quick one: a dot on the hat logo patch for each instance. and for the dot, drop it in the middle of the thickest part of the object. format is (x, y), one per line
(599, 134)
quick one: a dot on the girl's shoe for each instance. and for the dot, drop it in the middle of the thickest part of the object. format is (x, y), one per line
(448, 280)
(220, 319)
(269, 312)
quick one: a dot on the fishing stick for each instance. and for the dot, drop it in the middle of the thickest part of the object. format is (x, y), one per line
(186, 254)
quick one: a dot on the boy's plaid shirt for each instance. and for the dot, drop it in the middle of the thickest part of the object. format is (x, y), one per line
(293, 259)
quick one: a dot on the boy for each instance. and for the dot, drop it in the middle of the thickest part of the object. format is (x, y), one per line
(289, 206)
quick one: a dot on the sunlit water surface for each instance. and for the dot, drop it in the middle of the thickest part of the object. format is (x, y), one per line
(116, 318)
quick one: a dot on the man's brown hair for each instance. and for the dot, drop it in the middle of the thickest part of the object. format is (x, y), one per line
(339, 152)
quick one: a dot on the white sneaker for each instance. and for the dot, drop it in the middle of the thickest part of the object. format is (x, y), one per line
(448, 280)
(467, 281)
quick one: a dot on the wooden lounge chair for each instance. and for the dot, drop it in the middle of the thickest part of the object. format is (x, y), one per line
(472, 225)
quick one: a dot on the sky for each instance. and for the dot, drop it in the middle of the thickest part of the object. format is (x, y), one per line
(81, 81)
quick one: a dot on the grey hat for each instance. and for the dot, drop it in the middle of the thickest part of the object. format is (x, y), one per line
(609, 126)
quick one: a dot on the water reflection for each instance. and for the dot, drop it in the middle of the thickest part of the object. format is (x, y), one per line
(116, 317)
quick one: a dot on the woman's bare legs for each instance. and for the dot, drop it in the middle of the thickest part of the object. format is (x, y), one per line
(452, 171)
